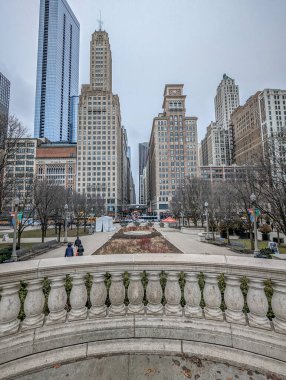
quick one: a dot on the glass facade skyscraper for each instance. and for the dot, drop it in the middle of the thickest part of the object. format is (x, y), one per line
(4, 107)
(57, 71)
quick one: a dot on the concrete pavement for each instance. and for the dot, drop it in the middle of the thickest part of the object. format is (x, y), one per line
(90, 243)
(190, 244)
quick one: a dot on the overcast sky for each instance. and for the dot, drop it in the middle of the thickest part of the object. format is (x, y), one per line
(155, 42)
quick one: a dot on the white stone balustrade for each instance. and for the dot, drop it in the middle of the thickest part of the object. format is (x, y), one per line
(9, 309)
(234, 300)
(257, 304)
(154, 293)
(78, 298)
(212, 298)
(192, 295)
(34, 305)
(173, 294)
(135, 294)
(117, 294)
(234, 268)
(57, 301)
(278, 303)
(98, 294)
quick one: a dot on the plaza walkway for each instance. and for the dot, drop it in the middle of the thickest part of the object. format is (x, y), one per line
(188, 244)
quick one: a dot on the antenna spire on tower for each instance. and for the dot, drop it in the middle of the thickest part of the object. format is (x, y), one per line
(100, 21)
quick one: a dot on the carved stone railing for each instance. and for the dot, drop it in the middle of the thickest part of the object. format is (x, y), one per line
(179, 287)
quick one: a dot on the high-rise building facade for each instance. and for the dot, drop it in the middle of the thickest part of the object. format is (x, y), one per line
(173, 149)
(100, 135)
(245, 124)
(143, 156)
(226, 101)
(214, 147)
(57, 70)
(4, 107)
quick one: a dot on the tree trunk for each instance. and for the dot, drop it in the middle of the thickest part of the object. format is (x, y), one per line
(59, 234)
(19, 238)
(278, 237)
(227, 235)
(43, 234)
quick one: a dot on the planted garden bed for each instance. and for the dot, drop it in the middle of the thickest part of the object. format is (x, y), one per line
(129, 240)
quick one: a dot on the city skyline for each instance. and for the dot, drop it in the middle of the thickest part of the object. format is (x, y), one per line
(139, 48)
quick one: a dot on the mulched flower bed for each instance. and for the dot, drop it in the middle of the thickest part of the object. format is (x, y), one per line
(151, 243)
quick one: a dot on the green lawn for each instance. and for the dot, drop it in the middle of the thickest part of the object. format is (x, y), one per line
(261, 245)
(51, 233)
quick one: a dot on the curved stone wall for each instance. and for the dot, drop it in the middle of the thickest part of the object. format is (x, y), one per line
(145, 312)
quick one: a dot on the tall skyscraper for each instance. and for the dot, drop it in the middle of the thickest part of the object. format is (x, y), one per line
(215, 146)
(101, 138)
(173, 149)
(4, 107)
(143, 155)
(226, 101)
(57, 70)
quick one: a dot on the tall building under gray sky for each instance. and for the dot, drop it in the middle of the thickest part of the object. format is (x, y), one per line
(4, 106)
(102, 142)
(57, 71)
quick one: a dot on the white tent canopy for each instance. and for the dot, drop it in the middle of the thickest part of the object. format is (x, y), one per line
(104, 224)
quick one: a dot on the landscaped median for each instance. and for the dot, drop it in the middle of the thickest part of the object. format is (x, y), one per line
(137, 239)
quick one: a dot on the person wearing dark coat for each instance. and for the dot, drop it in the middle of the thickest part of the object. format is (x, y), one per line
(80, 250)
(77, 242)
(69, 250)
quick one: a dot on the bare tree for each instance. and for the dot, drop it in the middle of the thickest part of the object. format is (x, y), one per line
(8, 148)
(46, 196)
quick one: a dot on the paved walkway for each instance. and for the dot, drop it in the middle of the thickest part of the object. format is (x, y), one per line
(190, 244)
(90, 243)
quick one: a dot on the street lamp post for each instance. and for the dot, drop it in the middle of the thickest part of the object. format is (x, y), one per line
(207, 218)
(14, 254)
(253, 202)
(66, 224)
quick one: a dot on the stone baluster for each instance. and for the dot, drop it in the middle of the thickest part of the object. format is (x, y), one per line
(34, 305)
(98, 294)
(57, 301)
(78, 298)
(212, 298)
(173, 294)
(278, 303)
(117, 295)
(257, 304)
(9, 308)
(234, 300)
(154, 293)
(135, 294)
(192, 295)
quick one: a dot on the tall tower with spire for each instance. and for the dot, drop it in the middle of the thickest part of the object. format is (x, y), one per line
(99, 143)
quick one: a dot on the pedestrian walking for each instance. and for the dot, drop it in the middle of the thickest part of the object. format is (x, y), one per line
(77, 242)
(80, 250)
(69, 250)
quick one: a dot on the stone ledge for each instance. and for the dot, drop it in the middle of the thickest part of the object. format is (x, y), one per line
(100, 332)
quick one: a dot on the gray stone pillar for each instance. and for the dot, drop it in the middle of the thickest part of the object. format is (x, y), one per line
(212, 298)
(117, 295)
(78, 298)
(98, 294)
(57, 301)
(257, 304)
(173, 295)
(234, 300)
(34, 305)
(192, 295)
(9, 308)
(278, 303)
(135, 294)
(154, 293)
